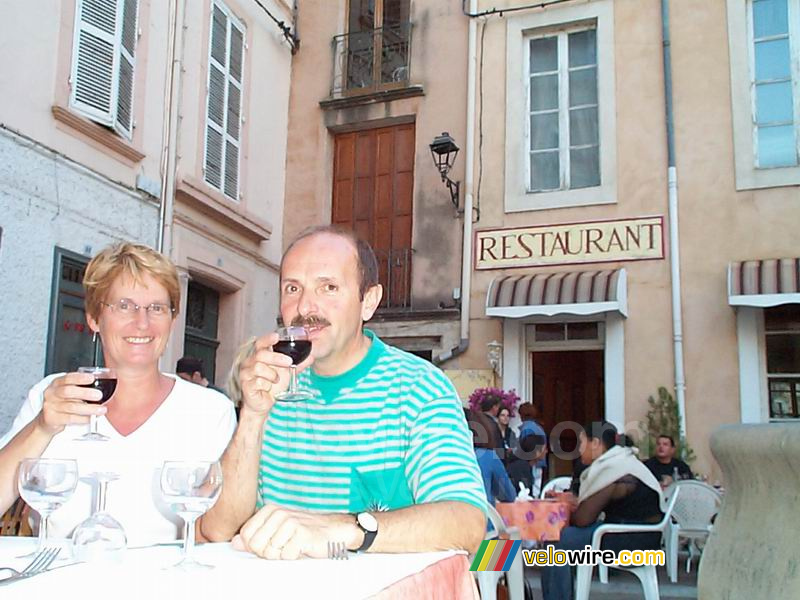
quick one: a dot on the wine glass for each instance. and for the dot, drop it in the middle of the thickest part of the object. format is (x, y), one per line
(100, 536)
(294, 343)
(190, 488)
(46, 484)
(105, 380)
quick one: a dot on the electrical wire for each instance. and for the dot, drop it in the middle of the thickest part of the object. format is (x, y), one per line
(500, 11)
(288, 34)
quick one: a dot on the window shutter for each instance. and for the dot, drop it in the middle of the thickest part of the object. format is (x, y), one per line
(215, 113)
(93, 65)
(234, 112)
(224, 106)
(127, 61)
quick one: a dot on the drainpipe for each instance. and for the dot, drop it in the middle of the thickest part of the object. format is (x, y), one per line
(169, 135)
(674, 246)
(466, 255)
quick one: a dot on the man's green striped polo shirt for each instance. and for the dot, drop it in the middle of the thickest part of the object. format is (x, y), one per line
(387, 434)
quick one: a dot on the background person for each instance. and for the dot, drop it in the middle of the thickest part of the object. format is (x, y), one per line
(381, 459)
(614, 482)
(191, 369)
(664, 465)
(495, 479)
(507, 435)
(132, 298)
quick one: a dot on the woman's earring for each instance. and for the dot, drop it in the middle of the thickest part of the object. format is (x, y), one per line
(94, 337)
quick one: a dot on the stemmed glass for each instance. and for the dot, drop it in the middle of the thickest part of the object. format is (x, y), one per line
(105, 380)
(190, 488)
(100, 536)
(46, 484)
(294, 343)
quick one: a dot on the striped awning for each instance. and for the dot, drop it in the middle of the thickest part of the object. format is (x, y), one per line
(569, 293)
(764, 283)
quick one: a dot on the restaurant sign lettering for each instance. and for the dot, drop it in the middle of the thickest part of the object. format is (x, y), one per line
(639, 238)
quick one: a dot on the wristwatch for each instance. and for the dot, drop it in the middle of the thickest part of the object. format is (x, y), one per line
(369, 525)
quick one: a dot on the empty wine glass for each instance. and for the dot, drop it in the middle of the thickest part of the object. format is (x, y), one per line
(190, 488)
(101, 536)
(46, 484)
(105, 380)
(294, 343)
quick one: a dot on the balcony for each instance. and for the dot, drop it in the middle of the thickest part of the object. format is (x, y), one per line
(394, 274)
(371, 62)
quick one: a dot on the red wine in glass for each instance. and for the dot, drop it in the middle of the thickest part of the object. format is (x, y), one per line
(294, 343)
(297, 350)
(107, 385)
(105, 380)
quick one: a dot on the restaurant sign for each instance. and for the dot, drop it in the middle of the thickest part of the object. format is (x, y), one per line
(640, 238)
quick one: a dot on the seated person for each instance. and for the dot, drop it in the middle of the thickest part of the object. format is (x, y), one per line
(132, 299)
(614, 482)
(191, 369)
(664, 464)
(495, 479)
(522, 468)
(529, 414)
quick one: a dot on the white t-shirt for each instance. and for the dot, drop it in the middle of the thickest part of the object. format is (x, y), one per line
(193, 423)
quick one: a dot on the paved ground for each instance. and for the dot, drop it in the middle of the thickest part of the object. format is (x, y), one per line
(624, 586)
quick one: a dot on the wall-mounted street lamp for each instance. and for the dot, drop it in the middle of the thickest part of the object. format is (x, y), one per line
(444, 152)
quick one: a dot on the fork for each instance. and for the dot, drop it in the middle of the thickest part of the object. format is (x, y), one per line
(39, 564)
(337, 550)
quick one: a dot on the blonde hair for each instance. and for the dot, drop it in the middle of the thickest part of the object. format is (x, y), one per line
(234, 386)
(135, 260)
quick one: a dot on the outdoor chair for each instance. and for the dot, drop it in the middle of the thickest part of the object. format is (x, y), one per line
(15, 520)
(557, 484)
(691, 519)
(646, 574)
(487, 580)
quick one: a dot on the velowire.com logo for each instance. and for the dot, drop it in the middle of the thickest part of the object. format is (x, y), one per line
(495, 555)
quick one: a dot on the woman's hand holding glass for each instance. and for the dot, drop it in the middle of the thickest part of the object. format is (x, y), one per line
(67, 403)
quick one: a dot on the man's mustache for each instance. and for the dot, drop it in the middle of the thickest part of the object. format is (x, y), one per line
(309, 321)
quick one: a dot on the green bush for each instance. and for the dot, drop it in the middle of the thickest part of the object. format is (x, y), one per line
(663, 418)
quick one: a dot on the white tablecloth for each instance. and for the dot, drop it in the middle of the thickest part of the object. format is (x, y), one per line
(237, 575)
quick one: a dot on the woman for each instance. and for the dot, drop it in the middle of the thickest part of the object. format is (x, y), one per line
(616, 483)
(132, 299)
(506, 433)
(495, 479)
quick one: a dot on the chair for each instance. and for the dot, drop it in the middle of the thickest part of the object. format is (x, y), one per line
(646, 574)
(558, 484)
(15, 520)
(487, 580)
(691, 519)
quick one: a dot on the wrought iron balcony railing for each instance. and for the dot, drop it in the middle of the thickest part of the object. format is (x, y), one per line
(394, 274)
(371, 61)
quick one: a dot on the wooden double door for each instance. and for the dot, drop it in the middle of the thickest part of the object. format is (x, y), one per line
(568, 386)
(373, 187)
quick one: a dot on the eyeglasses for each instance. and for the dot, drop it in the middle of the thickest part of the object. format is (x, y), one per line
(128, 308)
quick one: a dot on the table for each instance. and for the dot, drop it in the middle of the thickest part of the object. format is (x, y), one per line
(439, 575)
(537, 520)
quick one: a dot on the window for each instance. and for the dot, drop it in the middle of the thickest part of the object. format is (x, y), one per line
(560, 108)
(224, 102)
(70, 342)
(103, 62)
(563, 138)
(775, 113)
(782, 328)
(764, 45)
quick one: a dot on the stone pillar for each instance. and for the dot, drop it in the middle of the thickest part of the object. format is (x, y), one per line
(754, 549)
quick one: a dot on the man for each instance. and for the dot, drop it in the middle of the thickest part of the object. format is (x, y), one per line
(491, 407)
(616, 483)
(526, 467)
(191, 369)
(380, 460)
(664, 464)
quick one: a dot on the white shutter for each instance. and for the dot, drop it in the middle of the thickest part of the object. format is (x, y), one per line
(126, 49)
(224, 102)
(93, 60)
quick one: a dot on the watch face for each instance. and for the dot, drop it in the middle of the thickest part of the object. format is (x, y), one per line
(367, 521)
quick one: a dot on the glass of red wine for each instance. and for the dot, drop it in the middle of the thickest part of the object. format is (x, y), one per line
(294, 343)
(105, 380)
